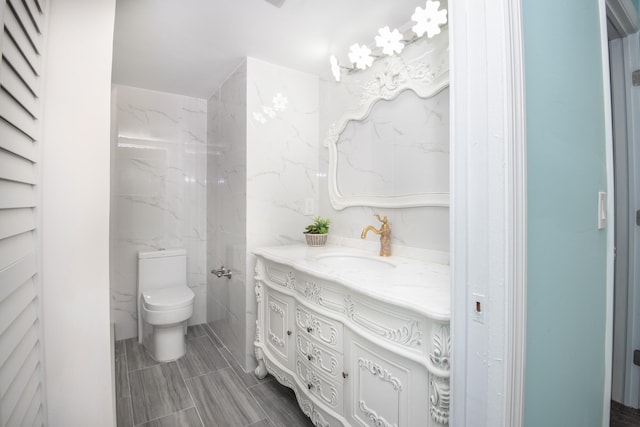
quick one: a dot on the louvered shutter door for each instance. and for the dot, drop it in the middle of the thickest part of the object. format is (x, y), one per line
(21, 366)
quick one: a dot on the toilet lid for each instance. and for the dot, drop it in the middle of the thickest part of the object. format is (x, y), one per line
(167, 298)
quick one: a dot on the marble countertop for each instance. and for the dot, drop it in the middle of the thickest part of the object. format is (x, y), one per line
(418, 285)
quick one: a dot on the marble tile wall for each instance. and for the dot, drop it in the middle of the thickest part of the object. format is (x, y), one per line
(422, 227)
(227, 211)
(263, 164)
(282, 162)
(158, 194)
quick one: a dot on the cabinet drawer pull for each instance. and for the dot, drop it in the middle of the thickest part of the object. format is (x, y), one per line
(309, 329)
(288, 332)
(309, 386)
(309, 357)
(345, 375)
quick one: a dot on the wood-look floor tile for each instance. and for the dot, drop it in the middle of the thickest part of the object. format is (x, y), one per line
(201, 357)
(122, 373)
(247, 378)
(223, 401)
(187, 418)
(280, 404)
(137, 356)
(623, 416)
(195, 331)
(158, 391)
(262, 423)
(124, 417)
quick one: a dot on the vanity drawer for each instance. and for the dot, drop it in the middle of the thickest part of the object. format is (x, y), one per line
(317, 292)
(279, 274)
(323, 359)
(319, 328)
(388, 323)
(329, 392)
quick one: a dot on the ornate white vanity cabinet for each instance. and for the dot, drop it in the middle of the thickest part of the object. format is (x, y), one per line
(362, 340)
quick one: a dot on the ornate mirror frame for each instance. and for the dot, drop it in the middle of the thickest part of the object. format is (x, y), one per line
(426, 76)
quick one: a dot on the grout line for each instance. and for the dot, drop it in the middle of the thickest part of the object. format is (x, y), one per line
(266, 414)
(236, 374)
(144, 350)
(260, 406)
(220, 349)
(198, 414)
(184, 380)
(212, 372)
(215, 335)
(166, 415)
(151, 366)
(193, 327)
(189, 391)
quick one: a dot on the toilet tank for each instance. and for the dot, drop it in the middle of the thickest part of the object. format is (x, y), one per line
(162, 269)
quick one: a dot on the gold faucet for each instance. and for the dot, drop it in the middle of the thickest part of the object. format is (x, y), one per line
(384, 232)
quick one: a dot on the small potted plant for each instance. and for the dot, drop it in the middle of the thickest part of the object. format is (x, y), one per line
(316, 233)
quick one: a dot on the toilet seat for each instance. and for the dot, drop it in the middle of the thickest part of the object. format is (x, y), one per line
(167, 298)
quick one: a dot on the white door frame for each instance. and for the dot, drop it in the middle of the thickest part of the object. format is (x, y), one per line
(610, 249)
(625, 58)
(621, 301)
(632, 47)
(488, 213)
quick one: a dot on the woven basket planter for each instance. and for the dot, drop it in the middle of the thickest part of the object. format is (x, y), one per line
(316, 239)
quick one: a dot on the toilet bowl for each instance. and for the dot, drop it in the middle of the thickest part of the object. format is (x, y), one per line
(165, 303)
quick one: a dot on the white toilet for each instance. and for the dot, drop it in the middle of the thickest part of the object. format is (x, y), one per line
(164, 303)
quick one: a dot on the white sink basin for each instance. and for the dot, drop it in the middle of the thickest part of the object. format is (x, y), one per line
(353, 262)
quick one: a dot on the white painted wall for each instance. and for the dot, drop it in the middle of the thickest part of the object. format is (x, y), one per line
(75, 213)
(568, 257)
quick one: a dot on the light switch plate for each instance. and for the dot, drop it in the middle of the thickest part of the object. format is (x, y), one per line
(602, 210)
(308, 206)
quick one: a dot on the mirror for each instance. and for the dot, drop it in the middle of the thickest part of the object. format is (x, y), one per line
(393, 150)
(401, 148)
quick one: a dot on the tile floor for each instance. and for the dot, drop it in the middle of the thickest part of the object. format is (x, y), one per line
(623, 416)
(205, 388)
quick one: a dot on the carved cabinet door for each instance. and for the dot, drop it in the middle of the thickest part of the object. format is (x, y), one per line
(279, 326)
(382, 388)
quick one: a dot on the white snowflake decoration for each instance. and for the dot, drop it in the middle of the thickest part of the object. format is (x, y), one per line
(429, 19)
(259, 117)
(280, 102)
(269, 112)
(389, 41)
(360, 56)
